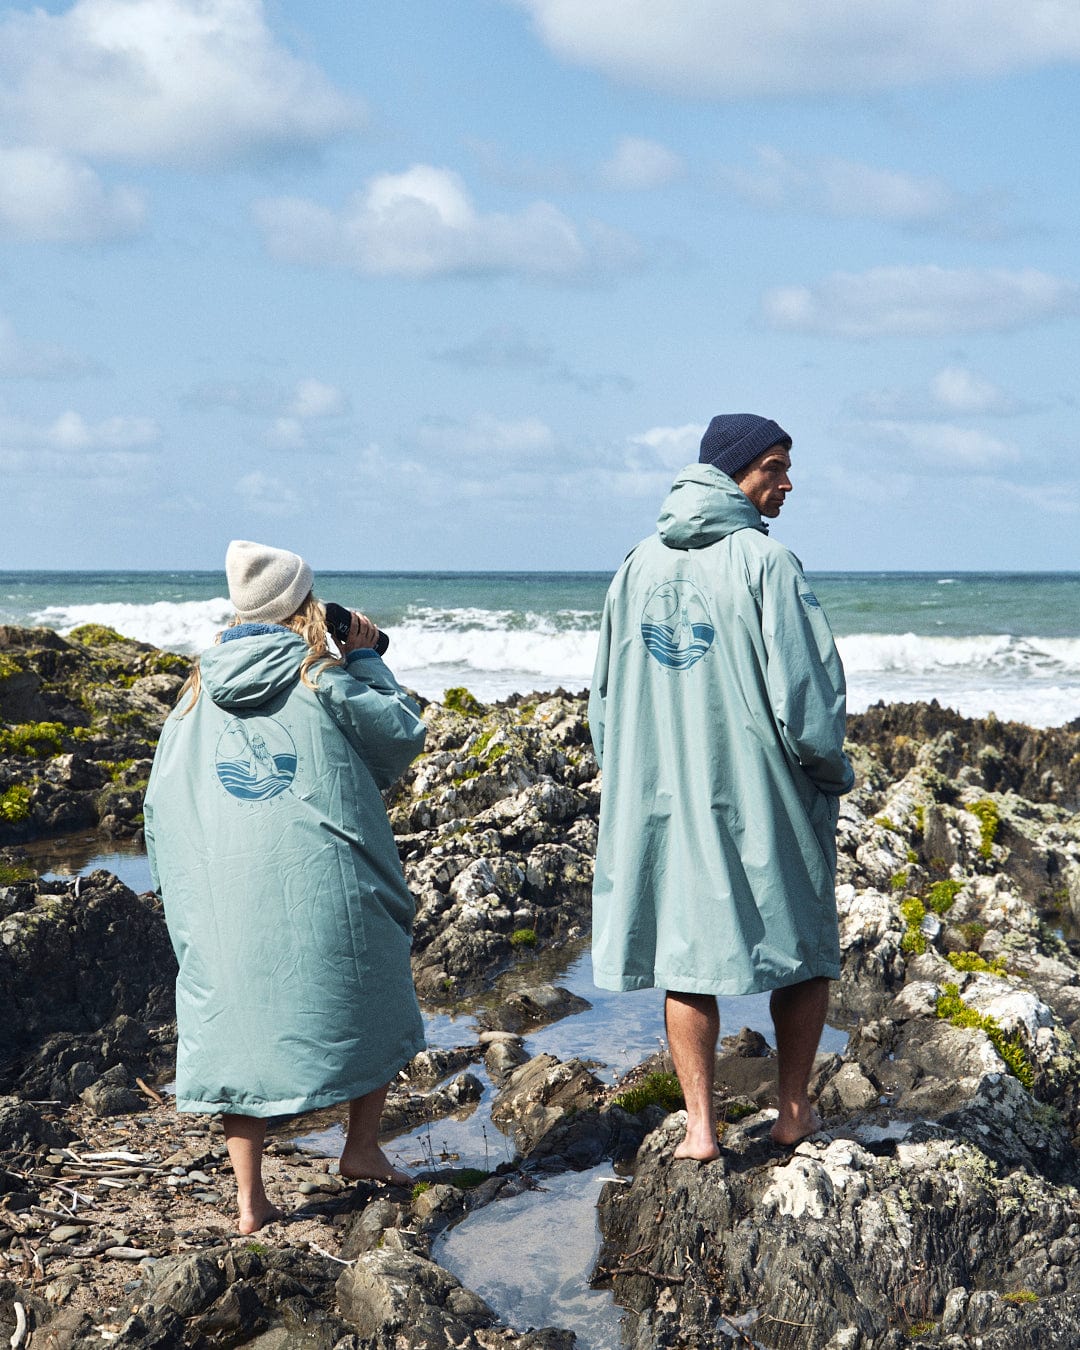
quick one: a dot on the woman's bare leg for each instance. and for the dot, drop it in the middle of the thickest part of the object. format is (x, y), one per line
(244, 1136)
(362, 1159)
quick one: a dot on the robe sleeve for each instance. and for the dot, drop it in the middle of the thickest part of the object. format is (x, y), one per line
(805, 676)
(376, 716)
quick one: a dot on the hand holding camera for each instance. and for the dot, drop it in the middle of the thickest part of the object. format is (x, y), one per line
(339, 622)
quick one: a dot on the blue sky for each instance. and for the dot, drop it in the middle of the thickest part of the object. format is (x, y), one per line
(458, 286)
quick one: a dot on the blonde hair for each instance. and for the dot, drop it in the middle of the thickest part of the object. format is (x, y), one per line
(308, 621)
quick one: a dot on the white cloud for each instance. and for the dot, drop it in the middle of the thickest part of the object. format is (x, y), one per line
(742, 48)
(313, 398)
(46, 196)
(942, 445)
(244, 396)
(71, 431)
(959, 390)
(502, 347)
(485, 435)
(849, 190)
(955, 391)
(423, 223)
(177, 81)
(287, 433)
(37, 361)
(919, 301)
(71, 447)
(267, 496)
(312, 401)
(1063, 500)
(639, 164)
(673, 446)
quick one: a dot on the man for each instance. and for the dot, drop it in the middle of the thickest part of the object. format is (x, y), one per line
(717, 711)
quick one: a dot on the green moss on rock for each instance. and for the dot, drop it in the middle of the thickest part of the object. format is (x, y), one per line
(913, 912)
(15, 804)
(95, 635)
(655, 1089)
(37, 739)
(459, 700)
(941, 895)
(952, 1008)
(989, 817)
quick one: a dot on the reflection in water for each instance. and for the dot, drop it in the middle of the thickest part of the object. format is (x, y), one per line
(77, 854)
(530, 1258)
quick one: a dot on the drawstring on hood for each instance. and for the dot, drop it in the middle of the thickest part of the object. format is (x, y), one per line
(704, 506)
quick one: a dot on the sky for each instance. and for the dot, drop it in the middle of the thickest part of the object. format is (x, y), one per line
(418, 285)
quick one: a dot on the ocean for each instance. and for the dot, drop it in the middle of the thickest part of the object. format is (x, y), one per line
(1007, 643)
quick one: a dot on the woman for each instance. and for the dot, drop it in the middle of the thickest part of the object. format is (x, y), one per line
(284, 896)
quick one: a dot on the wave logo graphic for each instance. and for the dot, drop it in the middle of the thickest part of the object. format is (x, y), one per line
(255, 761)
(676, 626)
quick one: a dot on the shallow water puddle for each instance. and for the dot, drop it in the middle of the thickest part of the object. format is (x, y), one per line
(529, 1257)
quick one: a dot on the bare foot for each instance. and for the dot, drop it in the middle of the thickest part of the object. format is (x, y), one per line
(795, 1130)
(371, 1165)
(251, 1220)
(701, 1147)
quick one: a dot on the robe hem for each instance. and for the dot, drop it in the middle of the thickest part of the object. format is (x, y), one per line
(294, 1106)
(687, 984)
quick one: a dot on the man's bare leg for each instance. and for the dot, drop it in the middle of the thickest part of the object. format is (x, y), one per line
(693, 1027)
(362, 1159)
(244, 1136)
(798, 1014)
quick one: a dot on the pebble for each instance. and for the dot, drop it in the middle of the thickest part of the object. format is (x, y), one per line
(64, 1232)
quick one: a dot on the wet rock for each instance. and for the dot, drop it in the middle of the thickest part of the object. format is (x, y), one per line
(526, 1009)
(404, 1111)
(503, 1057)
(394, 1297)
(540, 1093)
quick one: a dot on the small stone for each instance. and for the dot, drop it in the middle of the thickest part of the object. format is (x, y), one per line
(66, 1232)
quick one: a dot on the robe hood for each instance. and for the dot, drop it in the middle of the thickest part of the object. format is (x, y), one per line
(250, 671)
(703, 506)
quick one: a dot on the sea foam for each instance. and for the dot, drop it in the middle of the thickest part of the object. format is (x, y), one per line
(498, 652)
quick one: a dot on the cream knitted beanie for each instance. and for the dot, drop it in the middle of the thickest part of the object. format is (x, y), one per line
(266, 584)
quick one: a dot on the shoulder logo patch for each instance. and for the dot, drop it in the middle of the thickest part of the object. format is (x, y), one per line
(255, 760)
(676, 625)
(809, 598)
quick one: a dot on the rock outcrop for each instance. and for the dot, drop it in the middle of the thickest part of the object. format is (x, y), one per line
(79, 719)
(938, 1207)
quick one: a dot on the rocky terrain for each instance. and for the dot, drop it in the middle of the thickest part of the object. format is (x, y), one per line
(79, 719)
(939, 1206)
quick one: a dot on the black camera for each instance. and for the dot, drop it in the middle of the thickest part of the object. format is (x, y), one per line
(339, 621)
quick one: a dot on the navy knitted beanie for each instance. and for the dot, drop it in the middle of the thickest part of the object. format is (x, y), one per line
(732, 440)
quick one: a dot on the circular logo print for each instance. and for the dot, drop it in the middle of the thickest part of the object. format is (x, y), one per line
(676, 626)
(255, 760)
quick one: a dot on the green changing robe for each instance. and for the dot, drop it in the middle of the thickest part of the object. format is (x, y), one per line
(718, 712)
(283, 892)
